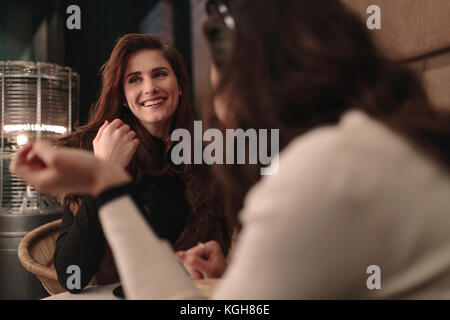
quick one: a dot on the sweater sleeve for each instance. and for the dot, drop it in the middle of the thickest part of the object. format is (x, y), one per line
(81, 243)
(146, 264)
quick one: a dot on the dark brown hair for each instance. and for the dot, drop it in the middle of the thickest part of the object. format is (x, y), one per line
(206, 221)
(300, 64)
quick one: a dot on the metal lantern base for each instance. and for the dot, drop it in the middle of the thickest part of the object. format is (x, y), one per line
(15, 282)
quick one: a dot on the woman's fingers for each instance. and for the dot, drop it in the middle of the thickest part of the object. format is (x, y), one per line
(206, 259)
(191, 263)
(20, 157)
(205, 249)
(180, 255)
(123, 129)
(213, 268)
(109, 128)
(200, 268)
(134, 145)
(131, 134)
(115, 124)
(116, 143)
(34, 163)
(117, 127)
(36, 155)
(188, 265)
(100, 131)
(198, 250)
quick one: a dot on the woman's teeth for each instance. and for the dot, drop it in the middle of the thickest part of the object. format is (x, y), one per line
(153, 102)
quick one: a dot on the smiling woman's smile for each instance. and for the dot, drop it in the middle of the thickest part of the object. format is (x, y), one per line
(153, 103)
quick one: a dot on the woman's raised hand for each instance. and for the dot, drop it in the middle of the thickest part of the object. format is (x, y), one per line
(52, 170)
(203, 261)
(115, 143)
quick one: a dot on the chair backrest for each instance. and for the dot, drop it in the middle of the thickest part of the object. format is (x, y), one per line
(36, 255)
(36, 252)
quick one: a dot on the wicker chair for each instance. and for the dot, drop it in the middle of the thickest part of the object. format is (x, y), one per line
(36, 255)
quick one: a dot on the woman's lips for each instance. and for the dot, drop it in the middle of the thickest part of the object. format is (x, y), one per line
(154, 102)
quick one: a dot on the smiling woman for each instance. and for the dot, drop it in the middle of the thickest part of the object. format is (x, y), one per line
(141, 103)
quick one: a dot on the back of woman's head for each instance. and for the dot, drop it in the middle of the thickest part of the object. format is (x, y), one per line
(298, 64)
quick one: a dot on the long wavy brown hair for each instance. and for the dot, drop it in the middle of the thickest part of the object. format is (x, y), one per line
(206, 221)
(301, 64)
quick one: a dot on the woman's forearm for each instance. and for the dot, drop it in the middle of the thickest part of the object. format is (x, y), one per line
(146, 264)
(80, 243)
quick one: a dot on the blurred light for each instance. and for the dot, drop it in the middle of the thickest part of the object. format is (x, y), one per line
(34, 127)
(22, 139)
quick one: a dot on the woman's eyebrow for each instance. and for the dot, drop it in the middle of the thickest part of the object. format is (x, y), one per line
(159, 68)
(139, 72)
(132, 74)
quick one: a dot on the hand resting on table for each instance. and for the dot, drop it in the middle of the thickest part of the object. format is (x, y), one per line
(204, 261)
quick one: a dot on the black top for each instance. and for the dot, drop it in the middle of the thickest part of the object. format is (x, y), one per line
(81, 241)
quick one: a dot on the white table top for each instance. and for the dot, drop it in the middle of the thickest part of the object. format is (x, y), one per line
(91, 293)
(206, 286)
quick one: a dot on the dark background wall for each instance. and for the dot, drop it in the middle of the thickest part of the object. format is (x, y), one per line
(36, 31)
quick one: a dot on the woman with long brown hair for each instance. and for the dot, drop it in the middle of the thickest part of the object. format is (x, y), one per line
(359, 207)
(144, 97)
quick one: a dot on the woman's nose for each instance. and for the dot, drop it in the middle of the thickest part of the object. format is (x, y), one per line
(150, 87)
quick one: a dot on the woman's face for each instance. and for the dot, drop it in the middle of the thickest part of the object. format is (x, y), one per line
(151, 90)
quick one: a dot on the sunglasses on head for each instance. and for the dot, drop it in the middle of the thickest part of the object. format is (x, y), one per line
(221, 7)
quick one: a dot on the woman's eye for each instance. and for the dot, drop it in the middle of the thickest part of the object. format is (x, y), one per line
(133, 80)
(160, 74)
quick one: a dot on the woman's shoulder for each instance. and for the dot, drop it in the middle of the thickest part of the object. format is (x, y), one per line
(356, 141)
(353, 138)
(345, 162)
(355, 132)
